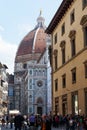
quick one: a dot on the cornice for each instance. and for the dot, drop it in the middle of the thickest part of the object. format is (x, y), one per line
(58, 15)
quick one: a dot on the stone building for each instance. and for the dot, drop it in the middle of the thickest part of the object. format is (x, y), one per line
(32, 72)
(68, 29)
(10, 92)
(3, 89)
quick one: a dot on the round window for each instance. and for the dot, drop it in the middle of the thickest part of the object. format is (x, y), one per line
(39, 83)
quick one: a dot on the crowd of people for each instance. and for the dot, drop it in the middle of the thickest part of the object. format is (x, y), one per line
(45, 122)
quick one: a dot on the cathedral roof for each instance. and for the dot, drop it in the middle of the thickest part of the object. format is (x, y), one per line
(34, 42)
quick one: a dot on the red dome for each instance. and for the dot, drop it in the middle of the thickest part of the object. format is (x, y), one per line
(33, 43)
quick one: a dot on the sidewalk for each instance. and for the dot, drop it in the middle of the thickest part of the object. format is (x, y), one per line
(5, 127)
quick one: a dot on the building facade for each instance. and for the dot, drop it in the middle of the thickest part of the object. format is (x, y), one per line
(3, 89)
(68, 29)
(10, 92)
(31, 83)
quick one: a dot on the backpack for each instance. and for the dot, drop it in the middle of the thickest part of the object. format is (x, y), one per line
(39, 121)
(56, 119)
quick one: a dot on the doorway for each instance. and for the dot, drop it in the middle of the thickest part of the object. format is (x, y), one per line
(39, 110)
(75, 103)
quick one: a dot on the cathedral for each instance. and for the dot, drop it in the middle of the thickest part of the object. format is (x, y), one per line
(32, 72)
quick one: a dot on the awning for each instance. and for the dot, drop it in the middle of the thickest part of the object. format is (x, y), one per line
(14, 112)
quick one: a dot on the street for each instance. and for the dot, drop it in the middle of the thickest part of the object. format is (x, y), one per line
(8, 128)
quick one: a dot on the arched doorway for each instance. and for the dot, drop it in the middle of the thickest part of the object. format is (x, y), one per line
(39, 110)
(39, 106)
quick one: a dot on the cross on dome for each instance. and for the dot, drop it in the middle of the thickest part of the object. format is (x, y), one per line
(40, 12)
(40, 20)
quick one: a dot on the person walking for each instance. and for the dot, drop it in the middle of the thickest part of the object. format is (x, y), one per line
(43, 123)
(7, 121)
(3, 121)
(32, 121)
(18, 121)
(11, 121)
(48, 123)
(85, 123)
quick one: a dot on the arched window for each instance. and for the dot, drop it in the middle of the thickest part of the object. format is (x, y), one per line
(83, 22)
(84, 3)
(62, 45)
(56, 58)
(30, 72)
(30, 81)
(30, 98)
(43, 72)
(72, 36)
(39, 72)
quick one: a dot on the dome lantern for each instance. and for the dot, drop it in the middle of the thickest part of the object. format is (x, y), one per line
(40, 20)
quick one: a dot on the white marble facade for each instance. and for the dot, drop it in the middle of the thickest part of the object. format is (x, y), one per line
(32, 79)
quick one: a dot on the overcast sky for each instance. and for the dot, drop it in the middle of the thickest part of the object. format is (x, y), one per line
(17, 18)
